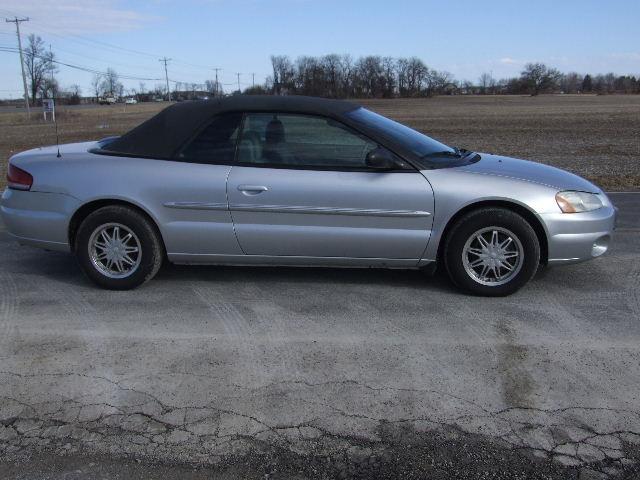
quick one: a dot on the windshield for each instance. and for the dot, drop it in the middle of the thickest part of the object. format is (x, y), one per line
(418, 143)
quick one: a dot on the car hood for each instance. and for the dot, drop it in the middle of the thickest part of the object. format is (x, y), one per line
(529, 172)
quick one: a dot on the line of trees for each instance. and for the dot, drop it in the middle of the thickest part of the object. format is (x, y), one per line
(334, 76)
(340, 76)
(538, 78)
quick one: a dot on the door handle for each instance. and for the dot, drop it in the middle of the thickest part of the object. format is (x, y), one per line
(252, 189)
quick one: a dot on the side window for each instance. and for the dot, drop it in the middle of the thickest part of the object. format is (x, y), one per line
(216, 143)
(301, 140)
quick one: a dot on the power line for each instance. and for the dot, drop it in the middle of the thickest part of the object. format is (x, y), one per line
(17, 21)
(83, 68)
(82, 39)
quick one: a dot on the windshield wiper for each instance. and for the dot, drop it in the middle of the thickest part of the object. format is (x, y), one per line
(445, 153)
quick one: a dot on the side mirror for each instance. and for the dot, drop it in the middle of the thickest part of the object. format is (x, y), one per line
(381, 159)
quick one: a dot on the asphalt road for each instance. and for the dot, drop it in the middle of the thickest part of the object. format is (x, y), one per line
(210, 372)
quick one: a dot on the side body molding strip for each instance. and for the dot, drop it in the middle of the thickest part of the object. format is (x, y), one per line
(374, 212)
(196, 205)
(299, 209)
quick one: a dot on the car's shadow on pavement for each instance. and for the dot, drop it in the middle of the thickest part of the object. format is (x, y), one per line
(61, 267)
(415, 279)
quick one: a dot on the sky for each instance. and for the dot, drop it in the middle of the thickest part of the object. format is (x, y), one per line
(465, 38)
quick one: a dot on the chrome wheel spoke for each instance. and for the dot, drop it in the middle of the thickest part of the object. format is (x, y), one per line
(483, 273)
(494, 239)
(506, 243)
(127, 259)
(476, 263)
(105, 236)
(495, 269)
(483, 241)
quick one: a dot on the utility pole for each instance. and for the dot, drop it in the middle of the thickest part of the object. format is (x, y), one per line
(17, 21)
(53, 93)
(51, 69)
(253, 80)
(166, 75)
(238, 74)
(217, 85)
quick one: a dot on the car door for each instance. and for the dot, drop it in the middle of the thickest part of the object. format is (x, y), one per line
(192, 189)
(301, 188)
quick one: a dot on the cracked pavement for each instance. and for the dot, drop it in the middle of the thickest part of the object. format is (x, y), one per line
(320, 373)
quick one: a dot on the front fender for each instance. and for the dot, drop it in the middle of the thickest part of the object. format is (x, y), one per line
(456, 190)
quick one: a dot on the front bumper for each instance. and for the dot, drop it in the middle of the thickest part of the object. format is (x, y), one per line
(576, 237)
(38, 219)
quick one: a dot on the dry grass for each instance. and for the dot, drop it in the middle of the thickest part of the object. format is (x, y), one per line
(597, 137)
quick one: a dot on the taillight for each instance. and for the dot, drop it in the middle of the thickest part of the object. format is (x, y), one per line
(18, 179)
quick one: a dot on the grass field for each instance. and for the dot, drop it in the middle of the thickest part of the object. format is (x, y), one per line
(597, 137)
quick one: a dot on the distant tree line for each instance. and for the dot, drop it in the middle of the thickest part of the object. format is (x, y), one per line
(538, 78)
(333, 76)
(341, 76)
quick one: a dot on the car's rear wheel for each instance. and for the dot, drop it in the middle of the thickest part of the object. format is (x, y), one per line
(491, 252)
(118, 248)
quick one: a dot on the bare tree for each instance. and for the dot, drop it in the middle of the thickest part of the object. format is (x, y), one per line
(347, 73)
(571, 82)
(467, 86)
(212, 86)
(332, 66)
(442, 82)
(283, 74)
(389, 77)
(39, 64)
(96, 82)
(415, 76)
(110, 84)
(485, 82)
(539, 78)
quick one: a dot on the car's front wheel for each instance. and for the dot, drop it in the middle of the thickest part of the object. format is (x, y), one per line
(491, 252)
(118, 248)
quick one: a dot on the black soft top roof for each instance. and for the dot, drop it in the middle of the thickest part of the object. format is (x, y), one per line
(162, 135)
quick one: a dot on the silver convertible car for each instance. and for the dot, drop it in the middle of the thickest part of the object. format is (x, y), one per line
(299, 181)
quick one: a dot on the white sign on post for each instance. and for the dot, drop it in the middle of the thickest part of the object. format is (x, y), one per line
(48, 106)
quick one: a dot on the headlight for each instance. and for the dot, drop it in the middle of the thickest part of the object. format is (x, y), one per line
(575, 202)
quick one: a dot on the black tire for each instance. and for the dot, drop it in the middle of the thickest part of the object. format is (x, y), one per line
(506, 222)
(151, 251)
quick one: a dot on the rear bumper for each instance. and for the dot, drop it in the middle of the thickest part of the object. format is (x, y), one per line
(576, 237)
(38, 219)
